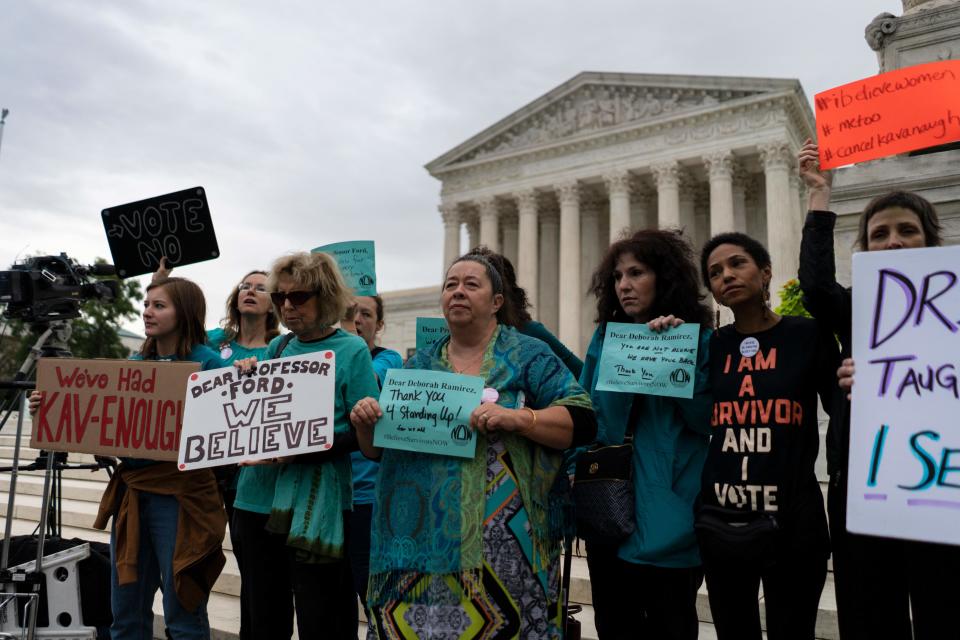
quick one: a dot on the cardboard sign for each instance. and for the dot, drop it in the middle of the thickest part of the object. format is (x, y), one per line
(904, 472)
(129, 408)
(890, 113)
(285, 408)
(357, 263)
(429, 412)
(430, 331)
(175, 225)
(635, 359)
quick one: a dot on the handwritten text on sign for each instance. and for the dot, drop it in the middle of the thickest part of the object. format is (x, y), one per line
(357, 263)
(175, 225)
(890, 113)
(429, 412)
(127, 408)
(904, 477)
(430, 331)
(637, 360)
(285, 408)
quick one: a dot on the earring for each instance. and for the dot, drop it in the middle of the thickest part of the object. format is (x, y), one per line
(766, 300)
(716, 324)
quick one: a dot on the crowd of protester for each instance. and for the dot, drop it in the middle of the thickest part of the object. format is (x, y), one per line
(440, 547)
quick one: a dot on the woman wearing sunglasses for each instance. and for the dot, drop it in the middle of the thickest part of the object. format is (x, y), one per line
(290, 516)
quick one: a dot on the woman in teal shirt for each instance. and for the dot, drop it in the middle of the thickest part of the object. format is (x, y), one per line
(651, 278)
(291, 515)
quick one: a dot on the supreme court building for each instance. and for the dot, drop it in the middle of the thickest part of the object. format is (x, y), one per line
(552, 184)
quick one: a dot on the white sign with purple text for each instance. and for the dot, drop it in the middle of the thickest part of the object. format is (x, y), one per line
(904, 472)
(285, 408)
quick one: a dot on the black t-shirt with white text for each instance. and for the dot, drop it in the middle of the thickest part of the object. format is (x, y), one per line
(765, 428)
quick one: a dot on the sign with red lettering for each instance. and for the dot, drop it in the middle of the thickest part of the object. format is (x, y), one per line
(284, 408)
(890, 113)
(130, 408)
(904, 474)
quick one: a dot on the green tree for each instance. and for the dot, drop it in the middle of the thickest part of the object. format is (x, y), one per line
(95, 334)
(791, 300)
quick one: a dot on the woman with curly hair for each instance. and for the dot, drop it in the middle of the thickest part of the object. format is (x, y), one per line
(651, 278)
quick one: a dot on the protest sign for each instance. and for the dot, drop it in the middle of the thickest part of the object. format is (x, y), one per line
(285, 408)
(890, 113)
(429, 412)
(175, 225)
(357, 263)
(129, 408)
(904, 472)
(430, 331)
(635, 359)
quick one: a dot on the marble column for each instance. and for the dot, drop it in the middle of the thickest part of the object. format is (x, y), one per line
(666, 177)
(687, 198)
(549, 287)
(618, 189)
(569, 308)
(528, 246)
(740, 181)
(776, 158)
(489, 223)
(643, 210)
(590, 243)
(473, 232)
(509, 237)
(451, 234)
(720, 170)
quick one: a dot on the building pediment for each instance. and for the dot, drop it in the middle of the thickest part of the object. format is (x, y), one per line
(593, 103)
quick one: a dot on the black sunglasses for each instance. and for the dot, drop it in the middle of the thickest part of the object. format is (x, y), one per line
(296, 298)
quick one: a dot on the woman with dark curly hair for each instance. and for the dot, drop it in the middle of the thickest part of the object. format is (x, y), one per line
(651, 278)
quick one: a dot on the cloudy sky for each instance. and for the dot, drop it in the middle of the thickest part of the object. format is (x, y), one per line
(310, 122)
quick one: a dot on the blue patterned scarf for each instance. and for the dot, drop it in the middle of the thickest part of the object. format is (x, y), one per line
(428, 514)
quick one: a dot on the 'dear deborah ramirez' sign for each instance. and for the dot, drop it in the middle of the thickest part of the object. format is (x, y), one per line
(285, 408)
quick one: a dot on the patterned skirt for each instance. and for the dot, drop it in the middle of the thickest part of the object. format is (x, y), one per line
(512, 602)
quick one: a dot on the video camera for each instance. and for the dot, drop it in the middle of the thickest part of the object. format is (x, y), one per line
(44, 289)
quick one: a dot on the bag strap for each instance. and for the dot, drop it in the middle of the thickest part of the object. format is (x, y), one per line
(284, 341)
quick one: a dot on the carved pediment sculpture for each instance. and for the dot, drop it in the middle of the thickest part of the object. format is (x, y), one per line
(595, 106)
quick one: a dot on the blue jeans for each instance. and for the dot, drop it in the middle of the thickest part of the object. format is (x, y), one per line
(132, 604)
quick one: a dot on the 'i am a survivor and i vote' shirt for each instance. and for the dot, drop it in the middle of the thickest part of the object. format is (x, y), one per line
(765, 436)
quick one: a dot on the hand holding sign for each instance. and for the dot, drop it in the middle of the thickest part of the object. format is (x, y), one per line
(904, 470)
(890, 113)
(638, 359)
(429, 412)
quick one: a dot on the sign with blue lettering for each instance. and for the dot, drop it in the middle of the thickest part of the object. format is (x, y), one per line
(357, 263)
(429, 412)
(175, 225)
(430, 331)
(904, 472)
(285, 408)
(636, 359)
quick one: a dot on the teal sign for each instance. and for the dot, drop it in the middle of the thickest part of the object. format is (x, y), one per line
(430, 331)
(357, 264)
(637, 360)
(428, 412)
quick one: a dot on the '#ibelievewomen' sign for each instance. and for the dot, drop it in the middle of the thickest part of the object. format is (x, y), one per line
(904, 477)
(285, 408)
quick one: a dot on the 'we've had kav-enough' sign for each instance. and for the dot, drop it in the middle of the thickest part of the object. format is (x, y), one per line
(904, 477)
(285, 408)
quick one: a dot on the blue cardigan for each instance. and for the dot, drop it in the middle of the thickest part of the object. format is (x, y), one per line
(670, 440)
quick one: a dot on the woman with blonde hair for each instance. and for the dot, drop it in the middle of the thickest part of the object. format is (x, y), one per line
(289, 516)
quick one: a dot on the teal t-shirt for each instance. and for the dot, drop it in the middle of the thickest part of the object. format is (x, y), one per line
(232, 350)
(354, 380)
(201, 353)
(365, 470)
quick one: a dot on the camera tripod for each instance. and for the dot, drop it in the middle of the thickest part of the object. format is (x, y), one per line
(52, 342)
